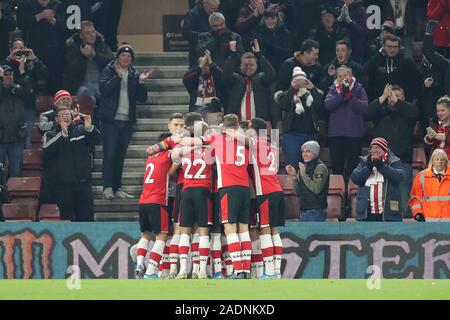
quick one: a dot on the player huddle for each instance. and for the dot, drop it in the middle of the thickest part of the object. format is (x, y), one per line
(218, 168)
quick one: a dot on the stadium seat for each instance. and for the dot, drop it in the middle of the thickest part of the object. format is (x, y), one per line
(369, 132)
(43, 103)
(20, 187)
(291, 200)
(32, 159)
(417, 52)
(419, 159)
(324, 155)
(49, 212)
(418, 136)
(351, 191)
(322, 134)
(36, 136)
(336, 194)
(21, 211)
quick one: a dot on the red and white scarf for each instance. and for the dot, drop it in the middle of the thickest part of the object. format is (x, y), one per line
(300, 93)
(206, 90)
(340, 87)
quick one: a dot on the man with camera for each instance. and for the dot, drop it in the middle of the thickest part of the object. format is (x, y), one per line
(22, 57)
(12, 119)
(66, 154)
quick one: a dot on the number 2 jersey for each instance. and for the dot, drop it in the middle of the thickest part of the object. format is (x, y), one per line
(265, 166)
(156, 179)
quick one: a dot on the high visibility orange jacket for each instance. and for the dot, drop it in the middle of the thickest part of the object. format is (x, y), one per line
(429, 196)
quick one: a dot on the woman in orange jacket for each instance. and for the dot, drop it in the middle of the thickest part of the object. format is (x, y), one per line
(430, 194)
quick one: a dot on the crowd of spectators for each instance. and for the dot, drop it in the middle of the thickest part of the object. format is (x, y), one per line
(308, 67)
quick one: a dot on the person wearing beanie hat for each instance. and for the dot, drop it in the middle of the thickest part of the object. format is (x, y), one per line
(302, 104)
(62, 98)
(311, 183)
(378, 177)
(121, 87)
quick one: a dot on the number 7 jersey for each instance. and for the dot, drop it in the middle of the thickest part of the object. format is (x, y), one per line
(156, 179)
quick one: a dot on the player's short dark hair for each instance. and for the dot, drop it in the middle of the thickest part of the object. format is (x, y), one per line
(191, 117)
(391, 37)
(345, 43)
(163, 136)
(244, 124)
(308, 45)
(230, 121)
(176, 115)
(258, 124)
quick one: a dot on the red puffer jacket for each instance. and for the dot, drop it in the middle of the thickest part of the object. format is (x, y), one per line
(440, 10)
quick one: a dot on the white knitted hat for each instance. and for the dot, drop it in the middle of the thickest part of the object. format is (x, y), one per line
(298, 72)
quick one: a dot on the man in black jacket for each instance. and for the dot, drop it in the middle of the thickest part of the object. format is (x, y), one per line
(307, 59)
(390, 65)
(87, 55)
(12, 119)
(7, 24)
(394, 120)
(248, 90)
(43, 25)
(121, 86)
(203, 83)
(37, 73)
(218, 40)
(196, 22)
(66, 152)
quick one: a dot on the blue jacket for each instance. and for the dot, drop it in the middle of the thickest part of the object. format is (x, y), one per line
(393, 175)
(110, 92)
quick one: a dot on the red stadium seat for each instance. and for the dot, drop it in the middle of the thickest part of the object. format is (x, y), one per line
(20, 187)
(32, 159)
(49, 212)
(336, 194)
(43, 103)
(324, 155)
(419, 159)
(351, 191)
(85, 102)
(291, 200)
(36, 136)
(22, 210)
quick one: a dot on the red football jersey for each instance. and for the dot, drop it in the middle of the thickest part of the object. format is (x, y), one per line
(232, 158)
(265, 167)
(197, 168)
(156, 179)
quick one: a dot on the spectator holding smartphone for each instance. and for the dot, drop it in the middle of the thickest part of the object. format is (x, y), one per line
(22, 57)
(438, 135)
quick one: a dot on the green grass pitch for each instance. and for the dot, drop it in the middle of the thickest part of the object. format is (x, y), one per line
(283, 289)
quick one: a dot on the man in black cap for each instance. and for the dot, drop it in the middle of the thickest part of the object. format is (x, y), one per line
(121, 86)
(212, 112)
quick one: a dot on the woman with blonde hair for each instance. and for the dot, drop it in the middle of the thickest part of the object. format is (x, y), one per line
(430, 194)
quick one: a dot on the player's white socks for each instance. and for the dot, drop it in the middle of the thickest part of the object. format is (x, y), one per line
(204, 253)
(246, 249)
(173, 253)
(195, 253)
(257, 259)
(227, 264)
(234, 248)
(216, 252)
(183, 252)
(155, 257)
(267, 253)
(165, 261)
(277, 252)
(141, 251)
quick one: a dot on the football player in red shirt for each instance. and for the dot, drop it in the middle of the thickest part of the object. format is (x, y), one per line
(196, 204)
(153, 212)
(269, 196)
